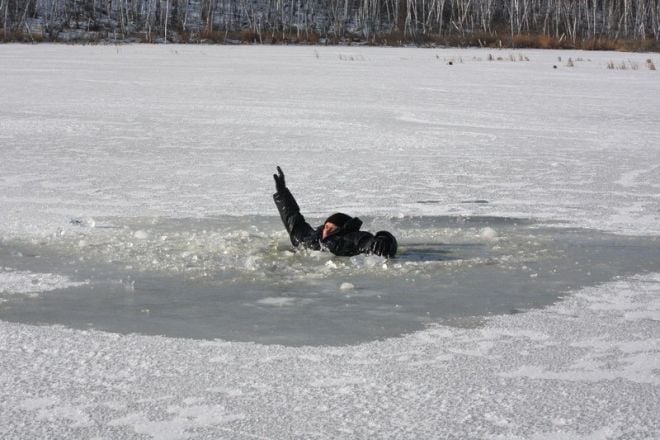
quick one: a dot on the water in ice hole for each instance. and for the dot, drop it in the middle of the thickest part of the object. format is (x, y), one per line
(237, 279)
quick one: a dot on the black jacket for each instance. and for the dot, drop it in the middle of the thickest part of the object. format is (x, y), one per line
(345, 242)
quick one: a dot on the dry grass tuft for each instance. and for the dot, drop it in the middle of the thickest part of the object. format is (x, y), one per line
(632, 65)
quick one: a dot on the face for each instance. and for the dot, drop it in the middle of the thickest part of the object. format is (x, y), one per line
(329, 229)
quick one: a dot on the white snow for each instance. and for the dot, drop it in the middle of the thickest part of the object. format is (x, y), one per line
(193, 131)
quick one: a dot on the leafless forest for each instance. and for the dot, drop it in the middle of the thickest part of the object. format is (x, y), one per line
(597, 24)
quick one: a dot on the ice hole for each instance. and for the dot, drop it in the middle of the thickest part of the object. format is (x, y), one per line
(235, 278)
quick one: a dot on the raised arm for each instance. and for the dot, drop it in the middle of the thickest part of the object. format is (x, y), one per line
(300, 232)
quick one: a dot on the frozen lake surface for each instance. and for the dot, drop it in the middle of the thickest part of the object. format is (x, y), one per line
(127, 172)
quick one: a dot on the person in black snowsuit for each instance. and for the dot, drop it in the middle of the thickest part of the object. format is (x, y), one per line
(339, 234)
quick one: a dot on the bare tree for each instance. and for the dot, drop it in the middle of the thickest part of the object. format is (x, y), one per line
(575, 20)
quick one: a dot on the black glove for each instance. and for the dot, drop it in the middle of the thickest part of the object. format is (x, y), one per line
(384, 244)
(279, 180)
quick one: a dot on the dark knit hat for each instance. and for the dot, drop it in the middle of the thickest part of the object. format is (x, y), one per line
(338, 218)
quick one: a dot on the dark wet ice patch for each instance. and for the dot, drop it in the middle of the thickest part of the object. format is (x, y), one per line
(236, 278)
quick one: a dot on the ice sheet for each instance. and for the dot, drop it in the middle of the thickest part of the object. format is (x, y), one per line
(586, 368)
(190, 131)
(26, 282)
(195, 131)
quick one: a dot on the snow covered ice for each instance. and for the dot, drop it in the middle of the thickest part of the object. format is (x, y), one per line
(109, 152)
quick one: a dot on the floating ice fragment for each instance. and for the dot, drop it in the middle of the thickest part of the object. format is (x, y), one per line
(252, 262)
(346, 286)
(277, 302)
(25, 282)
(372, 260)
(488, 233)
(141, 235)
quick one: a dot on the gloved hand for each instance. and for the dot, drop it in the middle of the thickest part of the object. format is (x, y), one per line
(280, 185)
(384, 244)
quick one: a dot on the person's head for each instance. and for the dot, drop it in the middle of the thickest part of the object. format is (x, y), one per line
(333, 223)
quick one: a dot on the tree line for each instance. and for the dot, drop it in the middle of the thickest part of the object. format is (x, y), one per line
(460, 22)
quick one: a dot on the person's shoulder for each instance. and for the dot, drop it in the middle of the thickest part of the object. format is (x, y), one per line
(353, 225)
